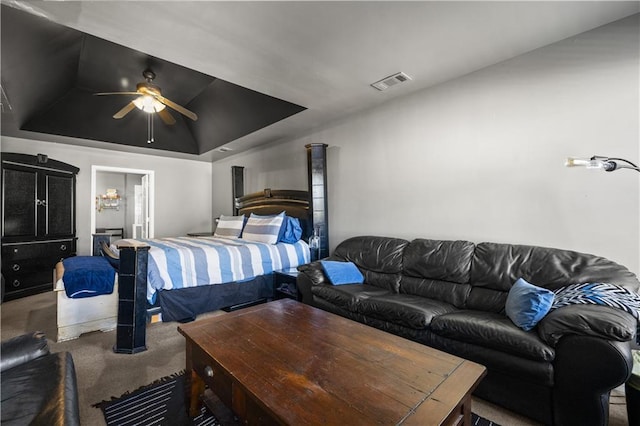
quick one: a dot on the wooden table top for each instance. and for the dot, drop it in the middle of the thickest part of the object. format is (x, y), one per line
(308, 366)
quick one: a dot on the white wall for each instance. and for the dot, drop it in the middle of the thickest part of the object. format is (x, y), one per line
(183, 188)
(481, 157)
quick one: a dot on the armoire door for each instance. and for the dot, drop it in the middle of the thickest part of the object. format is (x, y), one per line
(57, 204)
(19, 195)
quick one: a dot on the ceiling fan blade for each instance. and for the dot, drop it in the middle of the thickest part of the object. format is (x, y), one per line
(180, 109)
(167, 117)
(117, 93)
(124, 111)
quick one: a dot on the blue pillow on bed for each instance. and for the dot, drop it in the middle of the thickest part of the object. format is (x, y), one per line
(263, 229)
(342, 272)
(291, 231)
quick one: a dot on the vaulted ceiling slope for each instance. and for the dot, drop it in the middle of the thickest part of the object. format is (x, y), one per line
(226, 60)
(50, 74)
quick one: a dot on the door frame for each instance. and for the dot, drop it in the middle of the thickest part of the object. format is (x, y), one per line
(149, 173)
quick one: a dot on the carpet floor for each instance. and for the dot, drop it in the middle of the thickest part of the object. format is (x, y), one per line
(101, 373)
(162, 403)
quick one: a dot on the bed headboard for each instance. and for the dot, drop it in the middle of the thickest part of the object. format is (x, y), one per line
(273, 201)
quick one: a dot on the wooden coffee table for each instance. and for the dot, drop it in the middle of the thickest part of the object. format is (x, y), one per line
(288, 363)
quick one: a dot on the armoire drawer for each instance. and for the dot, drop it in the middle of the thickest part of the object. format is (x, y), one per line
(57, 248)
(33, 278)
(25, 266)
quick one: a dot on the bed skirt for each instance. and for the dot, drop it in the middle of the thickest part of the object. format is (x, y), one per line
(185, 304)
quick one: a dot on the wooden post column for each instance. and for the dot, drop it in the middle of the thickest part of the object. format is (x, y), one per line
(317, 169)
(132, 298)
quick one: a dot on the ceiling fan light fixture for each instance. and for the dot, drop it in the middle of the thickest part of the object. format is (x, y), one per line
(148, 104)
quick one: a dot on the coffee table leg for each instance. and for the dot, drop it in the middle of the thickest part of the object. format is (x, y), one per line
(466, 410)
(197, 389)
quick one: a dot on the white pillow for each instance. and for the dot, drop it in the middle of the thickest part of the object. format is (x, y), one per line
(263, 229)
(229, 227)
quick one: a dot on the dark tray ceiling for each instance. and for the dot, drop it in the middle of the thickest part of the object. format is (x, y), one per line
(50, 72)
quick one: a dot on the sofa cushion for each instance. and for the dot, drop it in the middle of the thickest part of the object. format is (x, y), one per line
(439, 260)
(497, 266)
(445, 291)
(589, 320)
(527, 304)
(347, 296)
(376, 254)
(520, 369)
(493, 331)
(390, 282)
(486, 299)
(404, 309)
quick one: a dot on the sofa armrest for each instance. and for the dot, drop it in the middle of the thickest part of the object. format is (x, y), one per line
(588, 320)
(21, 349)
(310, 274)
(586, 369)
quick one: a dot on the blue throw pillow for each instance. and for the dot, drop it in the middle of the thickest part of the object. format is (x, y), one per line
(291, 230)
(527, 304)
(342, 272)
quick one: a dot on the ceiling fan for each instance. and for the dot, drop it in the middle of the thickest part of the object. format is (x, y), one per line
(149, 99)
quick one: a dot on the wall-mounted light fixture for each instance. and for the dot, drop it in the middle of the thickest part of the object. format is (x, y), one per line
(608, 164)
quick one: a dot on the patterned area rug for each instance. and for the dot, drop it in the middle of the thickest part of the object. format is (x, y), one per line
(159, 403)
(162, 403)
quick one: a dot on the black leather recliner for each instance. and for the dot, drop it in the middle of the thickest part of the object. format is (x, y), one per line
(451, 295)
(38, 387)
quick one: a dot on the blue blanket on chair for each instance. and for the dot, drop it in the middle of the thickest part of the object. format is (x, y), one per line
(87, 276)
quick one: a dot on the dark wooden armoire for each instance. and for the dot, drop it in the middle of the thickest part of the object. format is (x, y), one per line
(38, 221)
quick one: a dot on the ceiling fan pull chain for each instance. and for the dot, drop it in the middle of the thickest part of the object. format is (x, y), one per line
(149, 128)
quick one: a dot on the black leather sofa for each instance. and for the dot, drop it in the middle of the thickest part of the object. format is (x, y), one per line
(451, 295)
(37, 387)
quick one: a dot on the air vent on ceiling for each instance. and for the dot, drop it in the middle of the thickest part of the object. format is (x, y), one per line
(392, 80)
(224, 149)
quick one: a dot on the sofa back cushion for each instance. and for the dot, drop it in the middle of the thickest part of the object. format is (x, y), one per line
(378, 258)
(496, 267)
(438, 269)
(439, 260)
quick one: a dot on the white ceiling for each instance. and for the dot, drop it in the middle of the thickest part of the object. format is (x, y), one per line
(325, 55)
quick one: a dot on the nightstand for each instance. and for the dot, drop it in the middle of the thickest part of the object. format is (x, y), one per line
(199, 234)
(284, 284)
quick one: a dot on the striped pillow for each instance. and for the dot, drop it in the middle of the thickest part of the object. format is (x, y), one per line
(263, 229)
(229, 226)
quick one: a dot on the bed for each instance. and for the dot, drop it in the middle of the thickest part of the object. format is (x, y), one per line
(188, 276)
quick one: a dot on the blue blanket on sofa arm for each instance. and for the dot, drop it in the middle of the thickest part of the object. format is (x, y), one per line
(87, 276)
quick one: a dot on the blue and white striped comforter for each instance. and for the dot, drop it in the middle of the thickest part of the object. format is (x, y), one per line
(188, 262)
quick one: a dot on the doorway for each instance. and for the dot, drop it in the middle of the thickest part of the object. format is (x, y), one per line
(122, 202)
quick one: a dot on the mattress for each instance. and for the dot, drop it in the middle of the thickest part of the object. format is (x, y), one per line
(183, 262)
